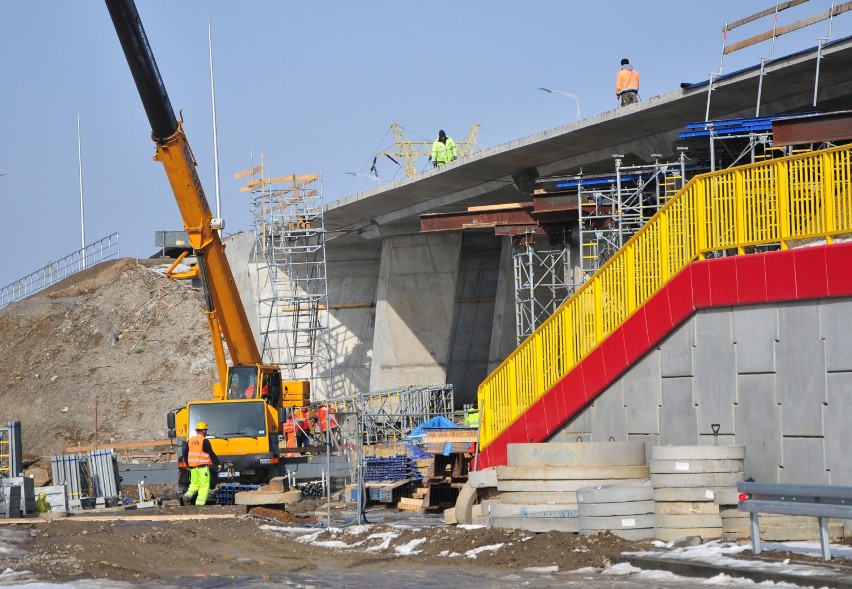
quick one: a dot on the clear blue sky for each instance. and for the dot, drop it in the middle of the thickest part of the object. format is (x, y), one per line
(314, 86)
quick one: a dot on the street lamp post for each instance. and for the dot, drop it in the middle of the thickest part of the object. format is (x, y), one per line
(565, 93)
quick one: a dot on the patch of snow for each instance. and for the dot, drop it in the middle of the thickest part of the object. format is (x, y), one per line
(331, 544)
(620, 569)
(491, 547)
(584, 571)
(359, 529)
(525, 538)
(408, 548)
(543, 570)
(723, 580)
(385, 537)
(653, 575)
(448, 554)
(470, 527)
(809, 548)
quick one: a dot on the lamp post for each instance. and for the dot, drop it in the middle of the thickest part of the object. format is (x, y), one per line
(565, 93)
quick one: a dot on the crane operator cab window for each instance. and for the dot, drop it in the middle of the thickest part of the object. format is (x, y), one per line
(242, 383)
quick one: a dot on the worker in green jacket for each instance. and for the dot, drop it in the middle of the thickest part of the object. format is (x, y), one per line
(444, 150)
(471, 417)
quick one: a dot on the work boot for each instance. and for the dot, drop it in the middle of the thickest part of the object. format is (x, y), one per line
(185, 499)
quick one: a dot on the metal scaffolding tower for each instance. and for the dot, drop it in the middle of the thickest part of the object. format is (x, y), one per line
(543, 280)
(292, 279)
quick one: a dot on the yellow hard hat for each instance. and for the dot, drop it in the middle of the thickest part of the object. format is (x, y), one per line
(42, 495)
(201, 425)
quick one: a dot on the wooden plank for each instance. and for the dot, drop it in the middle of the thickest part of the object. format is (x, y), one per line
(840, 8)
(511, 205)
(125, 446)
(762, 13)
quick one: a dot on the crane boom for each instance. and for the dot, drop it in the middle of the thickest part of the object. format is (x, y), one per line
(225, 310)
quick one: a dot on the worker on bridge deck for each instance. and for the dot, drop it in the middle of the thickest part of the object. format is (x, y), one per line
(627, 84)
(202, 462)
(444, 150)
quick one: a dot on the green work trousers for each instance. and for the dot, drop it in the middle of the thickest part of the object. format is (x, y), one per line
(199, 482)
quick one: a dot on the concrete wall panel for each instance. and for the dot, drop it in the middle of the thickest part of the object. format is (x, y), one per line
(838, 428)
(836, 325)
(676, 351)
(758, 426)
(609, 417)
(715, 382)
(677, 414)
(800, 370)
(755, 332)
(804, 461)
(642, 394)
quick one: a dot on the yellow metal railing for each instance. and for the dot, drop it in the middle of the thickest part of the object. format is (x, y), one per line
(797, 197)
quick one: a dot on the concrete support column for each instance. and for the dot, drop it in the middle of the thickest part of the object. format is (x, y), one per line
(503, 328)
(414, 310)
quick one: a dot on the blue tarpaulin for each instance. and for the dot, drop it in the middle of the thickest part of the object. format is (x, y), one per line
(439, 422)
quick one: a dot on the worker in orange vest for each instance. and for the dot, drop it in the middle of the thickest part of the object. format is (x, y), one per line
(327, 422)
(304, 426)
(627, 84)
(203, 463)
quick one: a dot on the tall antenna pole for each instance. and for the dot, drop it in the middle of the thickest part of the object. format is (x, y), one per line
(82, 215)
(215, 139)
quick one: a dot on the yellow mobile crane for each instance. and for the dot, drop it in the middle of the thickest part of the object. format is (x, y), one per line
(245, 416)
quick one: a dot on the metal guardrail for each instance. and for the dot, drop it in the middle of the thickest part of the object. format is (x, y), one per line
(720, 213)
(94, 253)
(820, 501)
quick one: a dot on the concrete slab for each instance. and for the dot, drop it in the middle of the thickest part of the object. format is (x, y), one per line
(837, 415)
(609, 417)
(804, 460)
(551, 486)
(693, 494)
(687, 508)
(641, 389)
(617, 522)
(538, 498)
(507, 473)
(677, 412)
(576, 454)
(669, 534)
(500, 510)
(756, 396)
(617, 493)
(537, 524)
(800, 370)
(692, 520)
(681, 453)
(676, 351)
(615, 509)
(755, 332)
(695, 466)
(702, 480)
(835, 326)
(481, 479)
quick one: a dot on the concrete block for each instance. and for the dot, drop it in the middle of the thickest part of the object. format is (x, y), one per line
(538, 498)
(676, 351)
(804, 461)
(276, 485)
(450, 515)
(551, 486)
(692, 520)
(620, 493)
(714, 385)
(780, 533)
(695, 466)
(677, 413)
(672, 534)
(617, 522)
(612, 509)
(464, 504)
(481, 479)
(702, 480)
(686, 508)
(756, 396)
(501, 510)
(682, 453)
(537, 524)
(477, 511)
(687, 494)
(480, 521)
(755, 332)
(255, 498)
(506, 473)
(576, 454)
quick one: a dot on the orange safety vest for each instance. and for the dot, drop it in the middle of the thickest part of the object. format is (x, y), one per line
(196, 455)
(325, 419)
(627, 80)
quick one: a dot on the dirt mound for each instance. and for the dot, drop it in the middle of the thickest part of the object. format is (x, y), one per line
(118, 336)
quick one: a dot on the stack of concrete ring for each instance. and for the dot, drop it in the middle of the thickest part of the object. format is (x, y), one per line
(685, 482)
(626, 510)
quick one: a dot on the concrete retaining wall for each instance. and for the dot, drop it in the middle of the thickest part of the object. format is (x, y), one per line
(776, 378)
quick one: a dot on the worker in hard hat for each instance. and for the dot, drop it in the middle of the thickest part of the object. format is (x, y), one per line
(471, 416)
(444, 150)
(42, 505)
(202, 462)
(627, 84)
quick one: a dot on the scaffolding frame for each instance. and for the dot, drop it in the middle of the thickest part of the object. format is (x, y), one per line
(543, 280)
(293, 291)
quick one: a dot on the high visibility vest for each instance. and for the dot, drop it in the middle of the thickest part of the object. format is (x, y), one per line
(444, 152)
(326, 419)
(196, 455)
(626, 80)
(471, 419)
